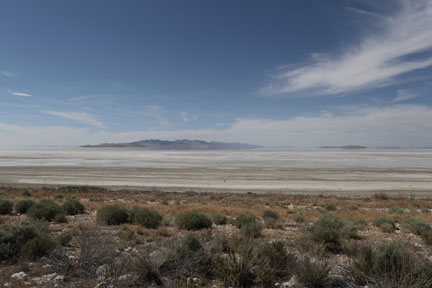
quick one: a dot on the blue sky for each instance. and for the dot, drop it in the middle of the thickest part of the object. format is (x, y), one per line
(297, 73)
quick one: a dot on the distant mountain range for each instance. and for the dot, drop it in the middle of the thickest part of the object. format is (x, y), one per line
(178, 145)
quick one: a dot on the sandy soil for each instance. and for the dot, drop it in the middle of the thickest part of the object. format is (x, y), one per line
(333, 172)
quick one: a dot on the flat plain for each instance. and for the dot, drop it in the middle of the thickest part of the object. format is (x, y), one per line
(330, 171)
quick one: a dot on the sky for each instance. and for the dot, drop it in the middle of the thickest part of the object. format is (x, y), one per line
(298, 73)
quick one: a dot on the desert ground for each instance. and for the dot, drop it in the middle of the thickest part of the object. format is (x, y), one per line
(133, 218)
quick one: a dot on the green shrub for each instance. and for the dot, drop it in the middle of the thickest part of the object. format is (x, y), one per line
(193, 220)
(418, 226)
(44, 210)
(73, 207)
(271, 218)
(189, 258)
(251, 229)
(23, 206)
(391, 265)
(313, 273)
(220, 219)
(6, 207)
(330, 207)
(386, 225)
(13, 238)
(146, 271)
(274, 264)
(243, 219)
(427, 237)
(396, 210)
(236, 270)
(64, 238)
(329, 231)
(60, 218)
(26, 193)
(270, 214)
(145, 217)
(352, 207)
(112, 215)
(37, 247)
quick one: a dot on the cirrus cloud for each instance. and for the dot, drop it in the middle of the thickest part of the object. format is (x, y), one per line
(403, 45)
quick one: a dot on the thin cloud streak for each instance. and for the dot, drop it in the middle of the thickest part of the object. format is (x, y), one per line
(7, 74)
(376, 61)
(19, 94)
(81, 117)
(404, 95)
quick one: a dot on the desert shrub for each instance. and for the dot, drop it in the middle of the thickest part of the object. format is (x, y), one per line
(95, 249)
(6, 207)
(13, 238)
(313, 273)
(298, 218)
(145, 217)
(271, 218)
(397, 210)
(37, 247)
(44, 210)
(417, 226)
(427, 237)
(112, 215)
(146, 271)
(248, 225)
(243, 219)
(220, 219)
(273, 263)
(352, 207)
(73, 207)
(60, 218)
(26, 193)
(236, 270)
(330, 207)
(220, 244)
(328, 231)
(386, 225)
(193, 220)
(23, 206)
(64, 238)
(188, 258)
(381, 196)
(391, 265)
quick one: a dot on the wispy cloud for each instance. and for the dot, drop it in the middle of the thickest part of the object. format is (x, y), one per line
(401, 46)
(404, 95)
(186, 117)
(7, 74)
(80, 98)
(155, 112)
(81, 117)
(19, 94)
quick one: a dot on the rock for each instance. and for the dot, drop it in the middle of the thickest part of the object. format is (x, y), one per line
(59, 278)
(291, 283)
(20, 276)
(49, 277)
(100, 285)
(103, 272)
(7, 285)
(125, 277)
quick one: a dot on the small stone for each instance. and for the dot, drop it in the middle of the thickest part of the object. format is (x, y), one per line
(7, 285)
(59, 278)
(20, 276)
